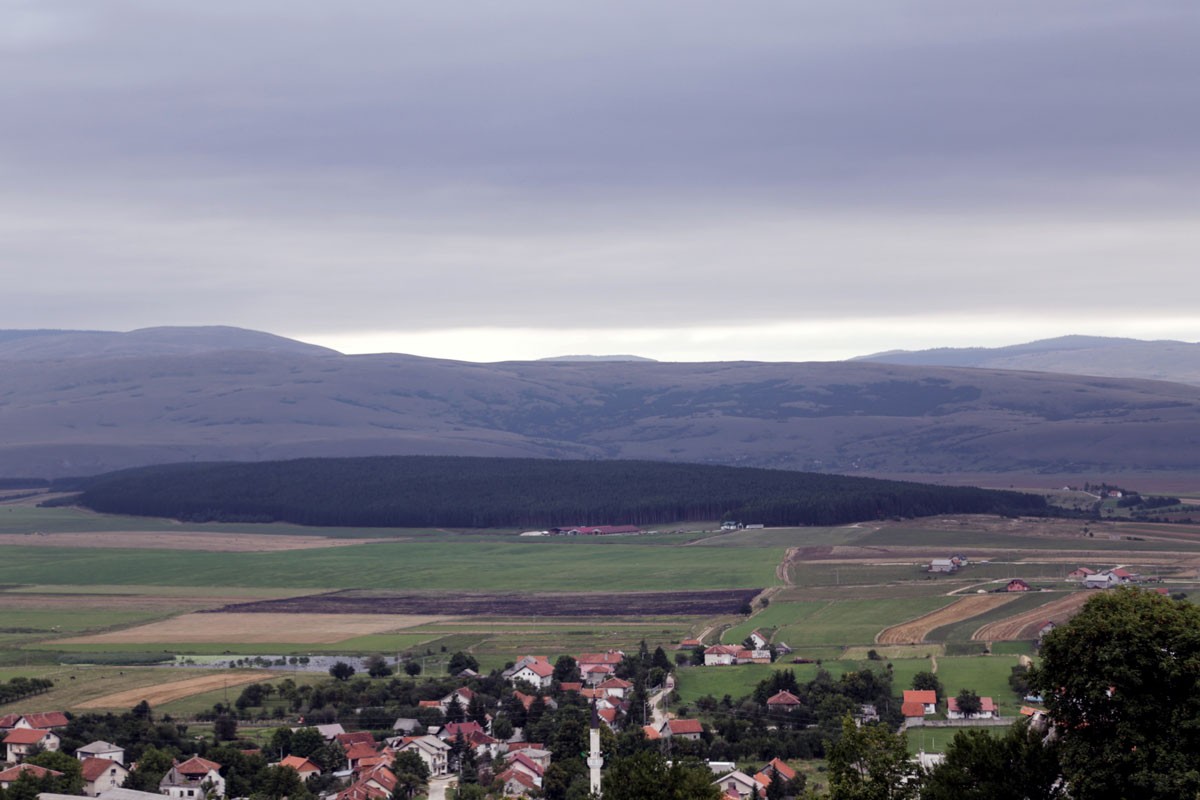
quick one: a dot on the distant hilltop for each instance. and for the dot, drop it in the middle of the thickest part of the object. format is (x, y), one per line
(1163, 360)
(85, 402)
(600, 358)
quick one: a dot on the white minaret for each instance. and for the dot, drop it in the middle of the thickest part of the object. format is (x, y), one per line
(595, 761)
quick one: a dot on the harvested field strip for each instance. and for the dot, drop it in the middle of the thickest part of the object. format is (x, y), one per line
(258, 628)
(1024, 626)
(961, 631)
(917, 629)
(176, 690)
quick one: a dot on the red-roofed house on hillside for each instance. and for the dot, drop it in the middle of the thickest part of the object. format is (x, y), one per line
(1018, 585)
(359, 752)
(21, 742)
(517, 783)
(534, 670)
(681, 728)
(46, 720)
(615, 687)
(1080, 573)
(305, 768)
(193, 779)
(102, 774)
(987, 709)
(776, 767)
(9, 776)
(783, 701)
(348, 740)
(651, 732)
(926, 697)
(721, 655)
(609, 658)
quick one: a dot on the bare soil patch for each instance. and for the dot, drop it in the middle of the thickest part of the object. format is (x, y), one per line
(176, 690)
(178, 540)
(258, 628)
(916, 630)
(617, 604)
(1025, 626)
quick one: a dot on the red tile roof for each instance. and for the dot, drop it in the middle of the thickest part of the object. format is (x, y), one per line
(357, 737)
(678, 726)
(615, 683)
(94, 768)
(611, 657)
(300, 764)
(47, 719)
(784, 698)
(360, 750)
(514, 775)
(570, 686)
(25, 736)
(913, 709)
(651, 732)
(781, 768)
(986, 704)
(12, 773)
(926, 696)
(197, 766)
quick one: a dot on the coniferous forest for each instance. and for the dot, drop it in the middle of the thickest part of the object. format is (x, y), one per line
(428, 491)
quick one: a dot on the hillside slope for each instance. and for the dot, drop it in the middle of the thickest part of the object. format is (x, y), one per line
(74, 416)
(1074, 355)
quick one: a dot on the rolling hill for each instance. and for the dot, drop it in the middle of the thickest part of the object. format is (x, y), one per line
(1074, 355)
(220, 394)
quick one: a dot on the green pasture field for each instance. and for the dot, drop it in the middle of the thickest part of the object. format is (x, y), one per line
(936, 740)
(777, 615)
(850, 622)
(484, 566)
(1013, 648)
(820, 573)
(786, 537)
(984, 675)
(961, 631)
(183, 593)
(903, 670)
(738, 681)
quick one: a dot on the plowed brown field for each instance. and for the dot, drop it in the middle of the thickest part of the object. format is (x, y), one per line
(916, 630)
(176, 690)
(1025, 625)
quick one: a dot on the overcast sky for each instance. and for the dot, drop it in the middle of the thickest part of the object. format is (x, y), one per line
(682, 180)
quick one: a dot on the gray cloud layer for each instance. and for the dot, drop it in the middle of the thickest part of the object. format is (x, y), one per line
(325, 168)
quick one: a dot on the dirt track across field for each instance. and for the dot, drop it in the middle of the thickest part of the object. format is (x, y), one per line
(916, 630)
(178, 540)
(259, 628)
(176, 690)
(1025, 625)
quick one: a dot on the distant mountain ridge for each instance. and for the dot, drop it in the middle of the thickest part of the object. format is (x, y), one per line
(53, 344)
(81, 403)
(1164, 360)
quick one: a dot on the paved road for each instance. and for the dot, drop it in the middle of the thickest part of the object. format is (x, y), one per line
(438, 787)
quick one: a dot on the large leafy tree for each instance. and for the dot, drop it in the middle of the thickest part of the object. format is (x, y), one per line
(871, 763)
(648, 776)
(1021, 765)
(1122, 686)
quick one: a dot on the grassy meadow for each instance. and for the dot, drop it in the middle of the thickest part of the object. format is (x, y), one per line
(844, 585)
